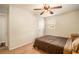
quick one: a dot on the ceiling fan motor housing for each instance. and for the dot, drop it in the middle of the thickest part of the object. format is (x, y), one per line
(46, 7)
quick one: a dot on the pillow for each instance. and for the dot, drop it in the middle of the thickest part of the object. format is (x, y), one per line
(74, 36)
(75, 45)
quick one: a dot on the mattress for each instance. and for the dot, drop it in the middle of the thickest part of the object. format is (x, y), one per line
(51, 44)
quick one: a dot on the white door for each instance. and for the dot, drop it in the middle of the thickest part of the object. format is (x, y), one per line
(40, 27)
(3, 28)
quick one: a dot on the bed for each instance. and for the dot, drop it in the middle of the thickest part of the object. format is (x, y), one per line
(52, 44)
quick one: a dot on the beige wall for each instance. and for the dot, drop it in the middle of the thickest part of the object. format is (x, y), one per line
(22, 27)
(65, 24)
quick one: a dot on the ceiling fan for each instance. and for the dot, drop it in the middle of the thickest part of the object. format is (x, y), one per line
(47, 8)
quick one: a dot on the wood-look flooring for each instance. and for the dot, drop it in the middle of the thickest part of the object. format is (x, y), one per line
(27, 49)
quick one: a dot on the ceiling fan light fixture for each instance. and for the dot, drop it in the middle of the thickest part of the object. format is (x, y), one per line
(46, 14)
(47, 9)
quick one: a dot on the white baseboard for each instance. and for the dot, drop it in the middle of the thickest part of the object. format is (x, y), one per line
(20, 45)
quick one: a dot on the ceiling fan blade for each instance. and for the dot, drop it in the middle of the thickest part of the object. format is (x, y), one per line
(51, 12)
(42, 13)
(56, 7)
(37, 9)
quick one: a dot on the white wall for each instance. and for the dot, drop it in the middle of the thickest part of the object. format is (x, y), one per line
(22, 27)
(66, 24)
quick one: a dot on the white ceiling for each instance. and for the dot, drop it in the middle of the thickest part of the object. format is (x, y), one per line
(65, 8)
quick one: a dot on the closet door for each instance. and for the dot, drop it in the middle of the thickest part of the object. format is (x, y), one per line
(3, 28)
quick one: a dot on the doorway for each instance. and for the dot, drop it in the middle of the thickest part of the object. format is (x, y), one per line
(3, 31)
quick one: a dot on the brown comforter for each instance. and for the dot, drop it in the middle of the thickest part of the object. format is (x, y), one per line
(50, 44)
